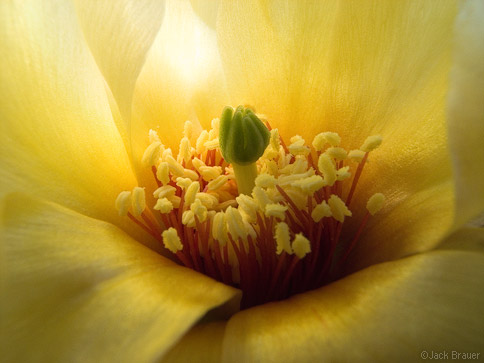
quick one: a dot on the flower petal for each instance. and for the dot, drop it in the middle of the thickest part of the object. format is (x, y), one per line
(82, 290)
(203, 343)
(181, 80)
(356, 68)
(57, 135)
(388, 312)
(466, 112)
(119, 36)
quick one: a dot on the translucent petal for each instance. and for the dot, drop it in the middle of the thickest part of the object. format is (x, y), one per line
(82, 290)
(119, 36)
(57, 135)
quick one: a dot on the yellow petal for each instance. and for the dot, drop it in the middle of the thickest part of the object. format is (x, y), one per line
(57, 135)
(466, 112)
(82, 290)
(119, 36)
(359, 69)
(181, 80)
(466, 238)
(203, 343)
(389, 312)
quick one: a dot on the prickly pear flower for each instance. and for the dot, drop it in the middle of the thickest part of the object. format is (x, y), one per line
(241, 181)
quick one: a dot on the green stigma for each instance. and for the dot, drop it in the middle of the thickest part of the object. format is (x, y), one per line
(243, 138)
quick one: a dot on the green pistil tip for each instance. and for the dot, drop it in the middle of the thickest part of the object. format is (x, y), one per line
(243, 138)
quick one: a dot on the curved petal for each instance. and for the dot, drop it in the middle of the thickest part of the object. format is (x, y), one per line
(466, 112)
(119, 36)
(57, 135)
(466, 238)
(356, 68)
(181, 80)
(82, 290)
(203, 343)
(388, 312)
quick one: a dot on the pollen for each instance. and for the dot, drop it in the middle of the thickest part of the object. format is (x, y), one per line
(285, 234)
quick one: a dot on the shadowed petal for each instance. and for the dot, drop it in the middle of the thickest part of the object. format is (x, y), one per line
(387, 312)
(82, 290)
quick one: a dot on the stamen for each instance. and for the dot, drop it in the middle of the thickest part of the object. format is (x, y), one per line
(230, 206)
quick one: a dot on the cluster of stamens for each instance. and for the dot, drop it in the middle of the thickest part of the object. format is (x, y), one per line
(282, 239)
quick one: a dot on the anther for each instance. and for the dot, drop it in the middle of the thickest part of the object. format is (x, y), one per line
(375, 203)
(301, 245)
(123, 203)
(320, 211)
(151, 154)
(276, 210)
(323, 138)
(339, 210)
(327, 169)
(138, 201)
(171, 240)
(371, 143)
(163, 205)
(282, 237)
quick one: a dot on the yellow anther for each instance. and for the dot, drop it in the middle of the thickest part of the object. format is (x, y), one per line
(343, 173)
(123, 202)
(199, 210)
(175, 167)
(290, 179)
(188, 129)
(260, 196)
(202, 139)
(208, 200)
(301, 245)
(219, 228)
(212, 144)
(265, 181)
(151, 154)
(138, 201)
(197, 163)
(167, 152)
(235, 223)
(275, 139)
(297, 146)
(339, 210)
(215, 124)
(153, 136)
(320, 211)
(183, 183)
(210, 172)
(175, 200)
(218, 182)
(190, 174)
(320, 140)
(171, 241)
(310, 184)
(191, 192)
(326, 167)
(371, 143)
(375, 203)
(163, 172)
(185, 150)
(337, 153)
(248, 206)
(356, 155)
(299, 198)
(188, 218)
(163, 205)
(165, 191)
(275, 210)
(283, 239)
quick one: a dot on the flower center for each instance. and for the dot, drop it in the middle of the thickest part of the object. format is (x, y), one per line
(282, 236)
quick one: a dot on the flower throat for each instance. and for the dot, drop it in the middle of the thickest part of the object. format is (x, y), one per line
(247, 209)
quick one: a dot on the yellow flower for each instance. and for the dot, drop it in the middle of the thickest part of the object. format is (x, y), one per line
(81, 84)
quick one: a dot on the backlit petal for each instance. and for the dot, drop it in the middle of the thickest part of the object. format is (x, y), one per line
(388, 312)
(57, 135)
(82, 290)
(119, 36)
(181, 80)
(466, 112)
